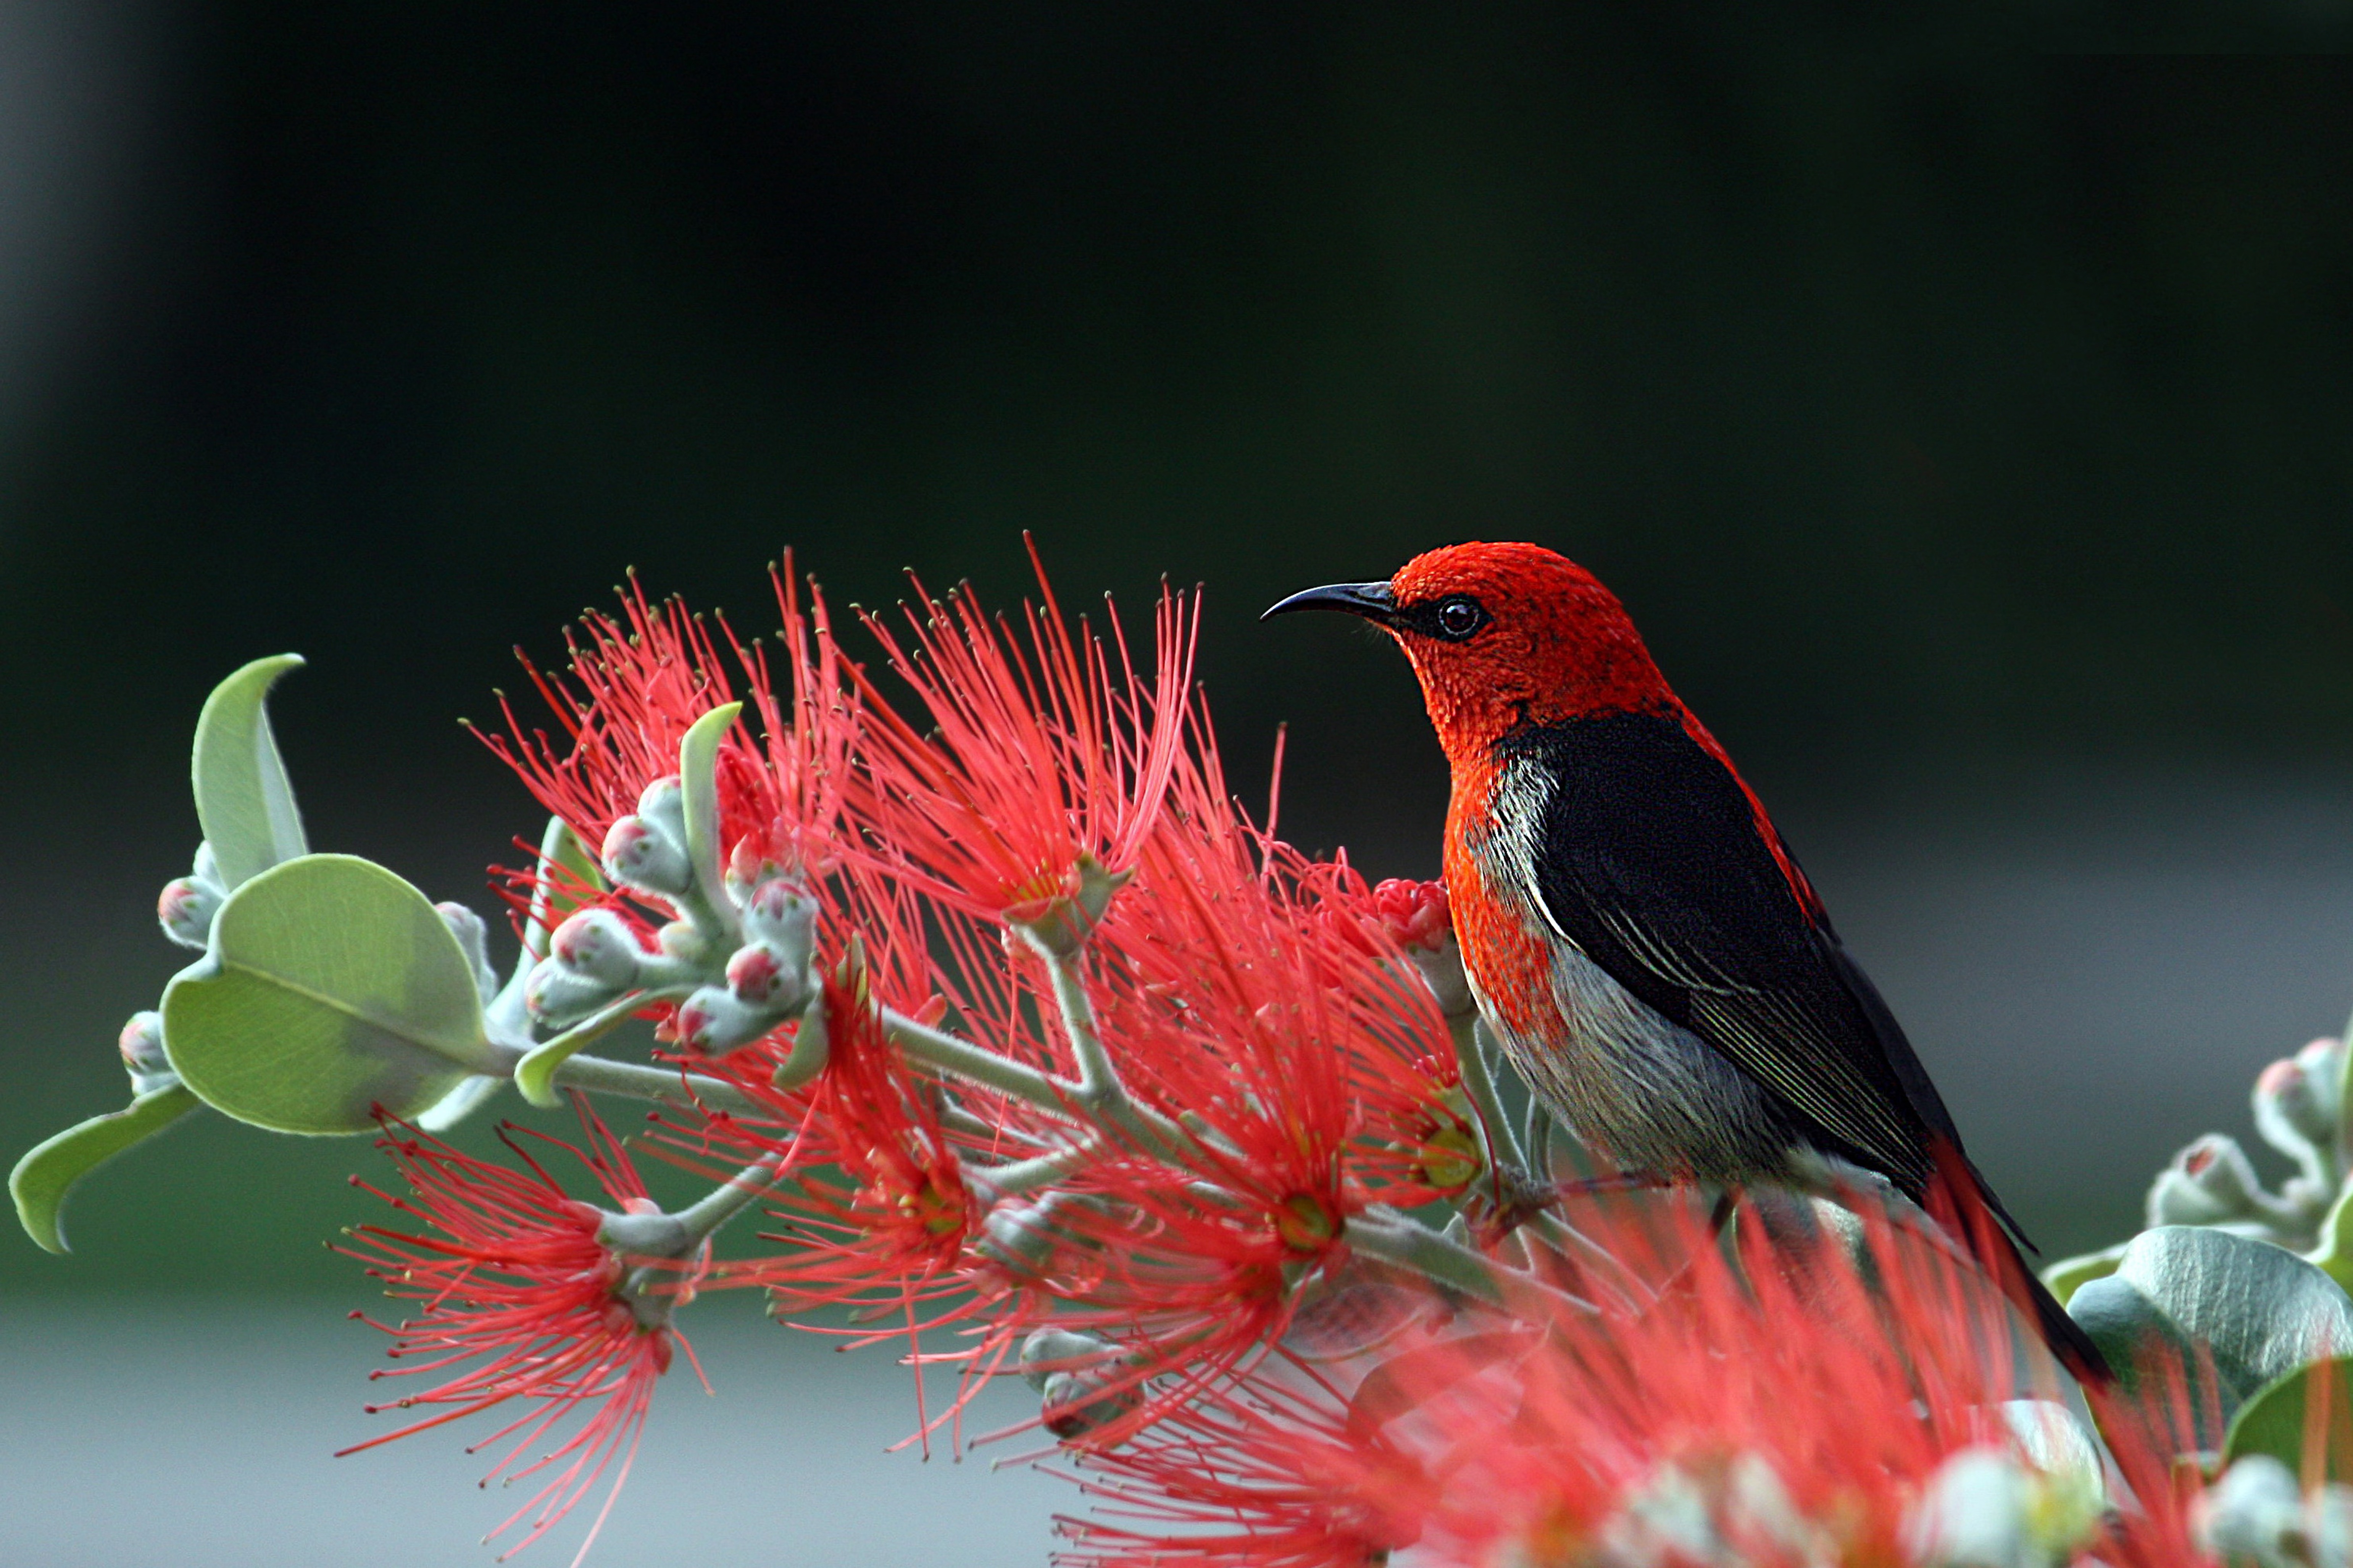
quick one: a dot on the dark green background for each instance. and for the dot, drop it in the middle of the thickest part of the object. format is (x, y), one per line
(1949, 414)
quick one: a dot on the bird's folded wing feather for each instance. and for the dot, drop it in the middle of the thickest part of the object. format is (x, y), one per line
(1651, 861)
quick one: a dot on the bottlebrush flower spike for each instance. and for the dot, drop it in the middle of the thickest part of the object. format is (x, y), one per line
(511, 1275)
(1802, 1417)
(1310, 1065)
(638, 682)
(880, 1212)
(1046, 759)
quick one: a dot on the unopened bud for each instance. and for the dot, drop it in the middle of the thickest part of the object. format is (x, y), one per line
(474, 940)
(1021, 1236)
(141, 1043)
(557, 996)
(2208, 1183)
(715, 1020)
(683, 942)
(1072, 1404)
(598, 945)
(1418, 918)
(780, 910)
(756, 974)
(1050, 1351)
(2293, 1112)
(749, 863)
(1071, 1372)
(185, 909)
(1415, 913)
(638, 854)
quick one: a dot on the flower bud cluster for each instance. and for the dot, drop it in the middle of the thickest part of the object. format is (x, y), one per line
(2257, 1514)
(2212, 1181)
(1083, 1382)
(731, 998)
(186, 906)
(142, 1043)
(769, 978)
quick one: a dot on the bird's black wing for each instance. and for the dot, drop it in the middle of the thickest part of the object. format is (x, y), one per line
(1649, 858)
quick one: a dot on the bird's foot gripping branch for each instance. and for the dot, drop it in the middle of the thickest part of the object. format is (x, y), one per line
(1016, 1038)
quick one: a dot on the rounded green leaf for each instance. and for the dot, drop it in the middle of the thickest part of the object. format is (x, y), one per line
(2309, 1409)
(243, 800)
(2259, 1311)
(50, 1169)
(331, 986)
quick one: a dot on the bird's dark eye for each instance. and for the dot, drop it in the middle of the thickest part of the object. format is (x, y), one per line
(1460, 616)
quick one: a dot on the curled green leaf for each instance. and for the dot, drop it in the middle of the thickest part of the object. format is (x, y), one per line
(48, 1171)
(698, 775)
(331, 986)
(535, 1074)
(243, 800)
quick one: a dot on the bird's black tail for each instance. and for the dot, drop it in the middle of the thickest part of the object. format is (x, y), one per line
(1960, 1200)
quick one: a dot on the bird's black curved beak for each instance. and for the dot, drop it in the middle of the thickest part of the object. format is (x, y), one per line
(1373, 602)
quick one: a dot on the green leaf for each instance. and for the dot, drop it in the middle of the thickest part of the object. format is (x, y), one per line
(560, 850)
(698, 777)
(2313, 1403)
(2070, 1275)
(2260, 1310)
(331, 986)
(243, 800)
(50, 1169)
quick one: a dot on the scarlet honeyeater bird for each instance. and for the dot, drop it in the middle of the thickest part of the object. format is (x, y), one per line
(1637, 933)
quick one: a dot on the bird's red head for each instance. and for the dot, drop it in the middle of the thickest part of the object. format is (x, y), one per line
(1504, 635)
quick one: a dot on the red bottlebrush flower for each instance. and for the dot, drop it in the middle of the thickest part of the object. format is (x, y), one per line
(1264, 1474)
(880, 1210)
(1046, 750)
(1307, 1064)
(896, 1216)
(638, 684)
(1804, 1414)
(511, 1278)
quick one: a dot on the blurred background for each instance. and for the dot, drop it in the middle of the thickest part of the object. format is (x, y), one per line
(1969, 428)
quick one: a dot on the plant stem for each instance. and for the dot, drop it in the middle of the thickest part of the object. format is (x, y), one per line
(1097, 1077)
(729, 1198)
(962, 1059)
(1474, 1053)
(631, 1080)
(1393, 1238)
(1021, 1176)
